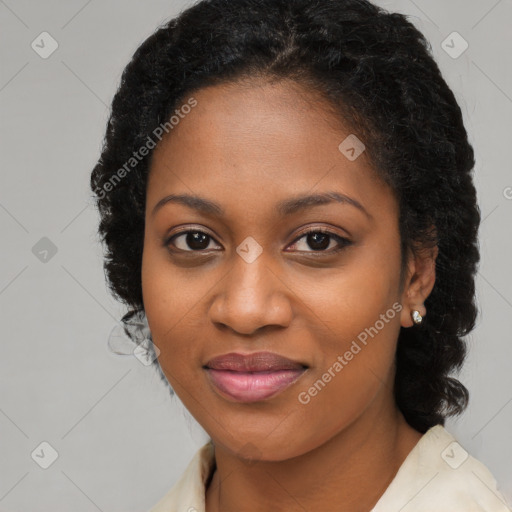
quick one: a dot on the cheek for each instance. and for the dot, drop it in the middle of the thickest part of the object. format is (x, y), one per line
(357, 313)
(168, 302)
(352, 374)
(351, 298)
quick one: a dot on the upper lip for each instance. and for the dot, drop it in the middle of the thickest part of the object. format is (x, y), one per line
(255, 362)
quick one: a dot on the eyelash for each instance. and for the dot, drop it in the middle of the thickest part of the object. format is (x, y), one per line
(343, 242)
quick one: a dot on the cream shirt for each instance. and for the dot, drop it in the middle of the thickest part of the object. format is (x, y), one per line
(438, 475)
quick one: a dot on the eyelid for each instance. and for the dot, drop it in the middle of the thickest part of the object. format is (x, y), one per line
(321, 229)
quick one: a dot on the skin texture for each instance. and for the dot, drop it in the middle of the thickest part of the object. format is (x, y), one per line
(247, 148)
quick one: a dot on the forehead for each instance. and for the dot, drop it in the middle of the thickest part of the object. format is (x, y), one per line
(260, 142)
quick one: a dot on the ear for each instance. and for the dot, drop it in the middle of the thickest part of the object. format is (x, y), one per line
(419, 282)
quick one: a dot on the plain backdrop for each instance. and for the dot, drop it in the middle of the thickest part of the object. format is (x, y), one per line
(120, 441)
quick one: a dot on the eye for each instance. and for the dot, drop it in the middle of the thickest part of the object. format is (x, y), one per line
(317, 239)
(195, 239)
(320, 240)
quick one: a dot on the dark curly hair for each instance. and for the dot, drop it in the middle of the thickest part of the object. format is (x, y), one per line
(377, 72)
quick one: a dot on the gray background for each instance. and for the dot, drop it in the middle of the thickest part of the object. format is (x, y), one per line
(121, 441)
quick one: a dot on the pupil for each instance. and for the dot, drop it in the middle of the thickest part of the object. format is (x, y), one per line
(196, 240)
(322, 244)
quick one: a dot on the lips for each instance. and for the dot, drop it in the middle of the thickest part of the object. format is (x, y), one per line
(252, 377)
(256, 362)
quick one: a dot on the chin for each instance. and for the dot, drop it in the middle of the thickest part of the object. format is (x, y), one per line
(256, 448)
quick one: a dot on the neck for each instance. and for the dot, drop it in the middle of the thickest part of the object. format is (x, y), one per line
(353, 468)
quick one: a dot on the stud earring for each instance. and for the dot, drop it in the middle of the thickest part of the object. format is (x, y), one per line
(416, 317)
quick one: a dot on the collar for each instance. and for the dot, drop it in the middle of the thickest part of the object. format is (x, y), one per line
(437, 468)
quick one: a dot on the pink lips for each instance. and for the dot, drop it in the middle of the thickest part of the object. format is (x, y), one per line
(252, 377)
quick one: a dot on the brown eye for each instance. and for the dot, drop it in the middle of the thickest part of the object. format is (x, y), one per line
(190, 241)
(320, 240)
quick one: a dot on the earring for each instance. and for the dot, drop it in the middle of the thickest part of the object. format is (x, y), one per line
(416, 317)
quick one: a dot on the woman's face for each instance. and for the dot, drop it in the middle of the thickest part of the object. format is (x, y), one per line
(250, 279)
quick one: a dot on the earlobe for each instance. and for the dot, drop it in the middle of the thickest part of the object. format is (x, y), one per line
(419, 285)
(413, 314)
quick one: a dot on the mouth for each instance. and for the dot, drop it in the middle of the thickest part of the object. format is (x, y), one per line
(252, 377)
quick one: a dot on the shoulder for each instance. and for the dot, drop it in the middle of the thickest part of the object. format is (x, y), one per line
(188, 493)
(439, 474)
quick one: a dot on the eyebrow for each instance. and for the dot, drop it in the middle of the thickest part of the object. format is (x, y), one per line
(285, 207)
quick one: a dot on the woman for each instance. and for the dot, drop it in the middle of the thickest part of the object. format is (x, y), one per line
(286, 198)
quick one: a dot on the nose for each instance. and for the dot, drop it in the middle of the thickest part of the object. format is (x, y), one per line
(250, 297)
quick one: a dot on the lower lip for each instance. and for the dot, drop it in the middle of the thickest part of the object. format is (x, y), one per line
(252, 386)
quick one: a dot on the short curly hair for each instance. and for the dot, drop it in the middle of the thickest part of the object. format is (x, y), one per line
(377, 72)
